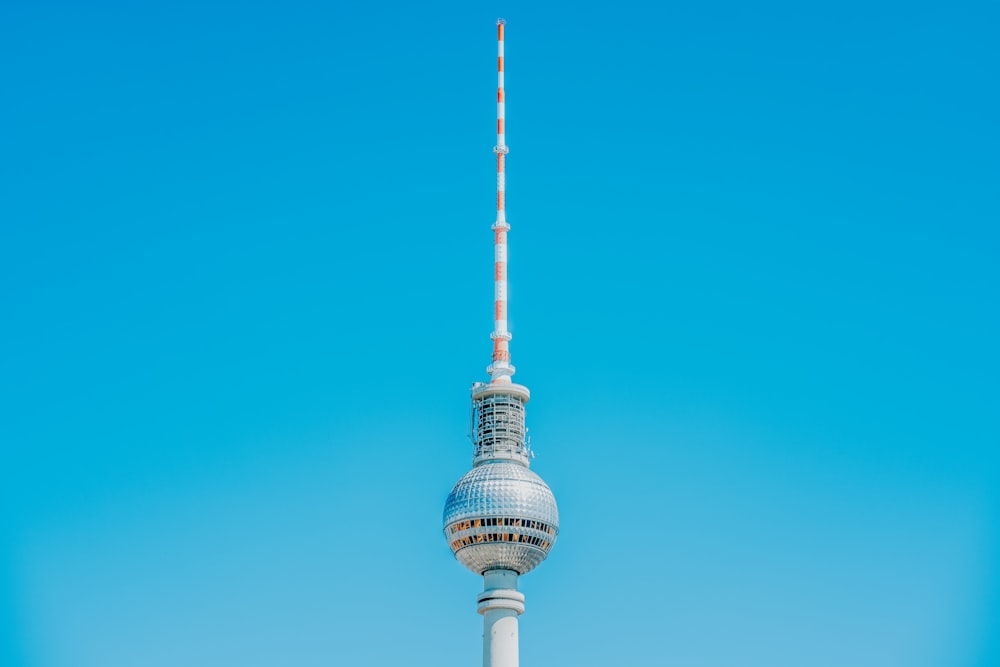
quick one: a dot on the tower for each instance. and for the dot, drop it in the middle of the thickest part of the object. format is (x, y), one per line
(500, 519)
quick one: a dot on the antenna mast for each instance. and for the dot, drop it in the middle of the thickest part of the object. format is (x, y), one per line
(501, 369)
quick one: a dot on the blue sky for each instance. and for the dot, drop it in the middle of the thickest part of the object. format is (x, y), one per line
(245, 261)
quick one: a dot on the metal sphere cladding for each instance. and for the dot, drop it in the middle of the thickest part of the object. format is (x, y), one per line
(501, 516)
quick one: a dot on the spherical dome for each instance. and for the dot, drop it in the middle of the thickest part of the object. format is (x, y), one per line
(501, 516)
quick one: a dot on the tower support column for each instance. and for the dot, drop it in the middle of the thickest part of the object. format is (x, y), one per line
(500, 604)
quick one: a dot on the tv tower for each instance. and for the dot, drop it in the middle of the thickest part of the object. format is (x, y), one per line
(500, 519)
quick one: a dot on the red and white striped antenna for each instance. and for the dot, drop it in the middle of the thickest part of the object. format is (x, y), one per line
(501, 369)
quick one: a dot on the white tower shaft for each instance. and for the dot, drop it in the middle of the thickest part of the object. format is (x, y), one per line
(500, 604)
(501, 369)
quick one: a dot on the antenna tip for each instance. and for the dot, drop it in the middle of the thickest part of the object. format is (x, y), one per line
(501, 21)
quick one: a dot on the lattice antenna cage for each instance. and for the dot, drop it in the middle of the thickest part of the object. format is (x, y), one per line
(498, 428)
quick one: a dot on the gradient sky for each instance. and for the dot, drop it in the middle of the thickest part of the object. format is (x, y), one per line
(246, 269)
